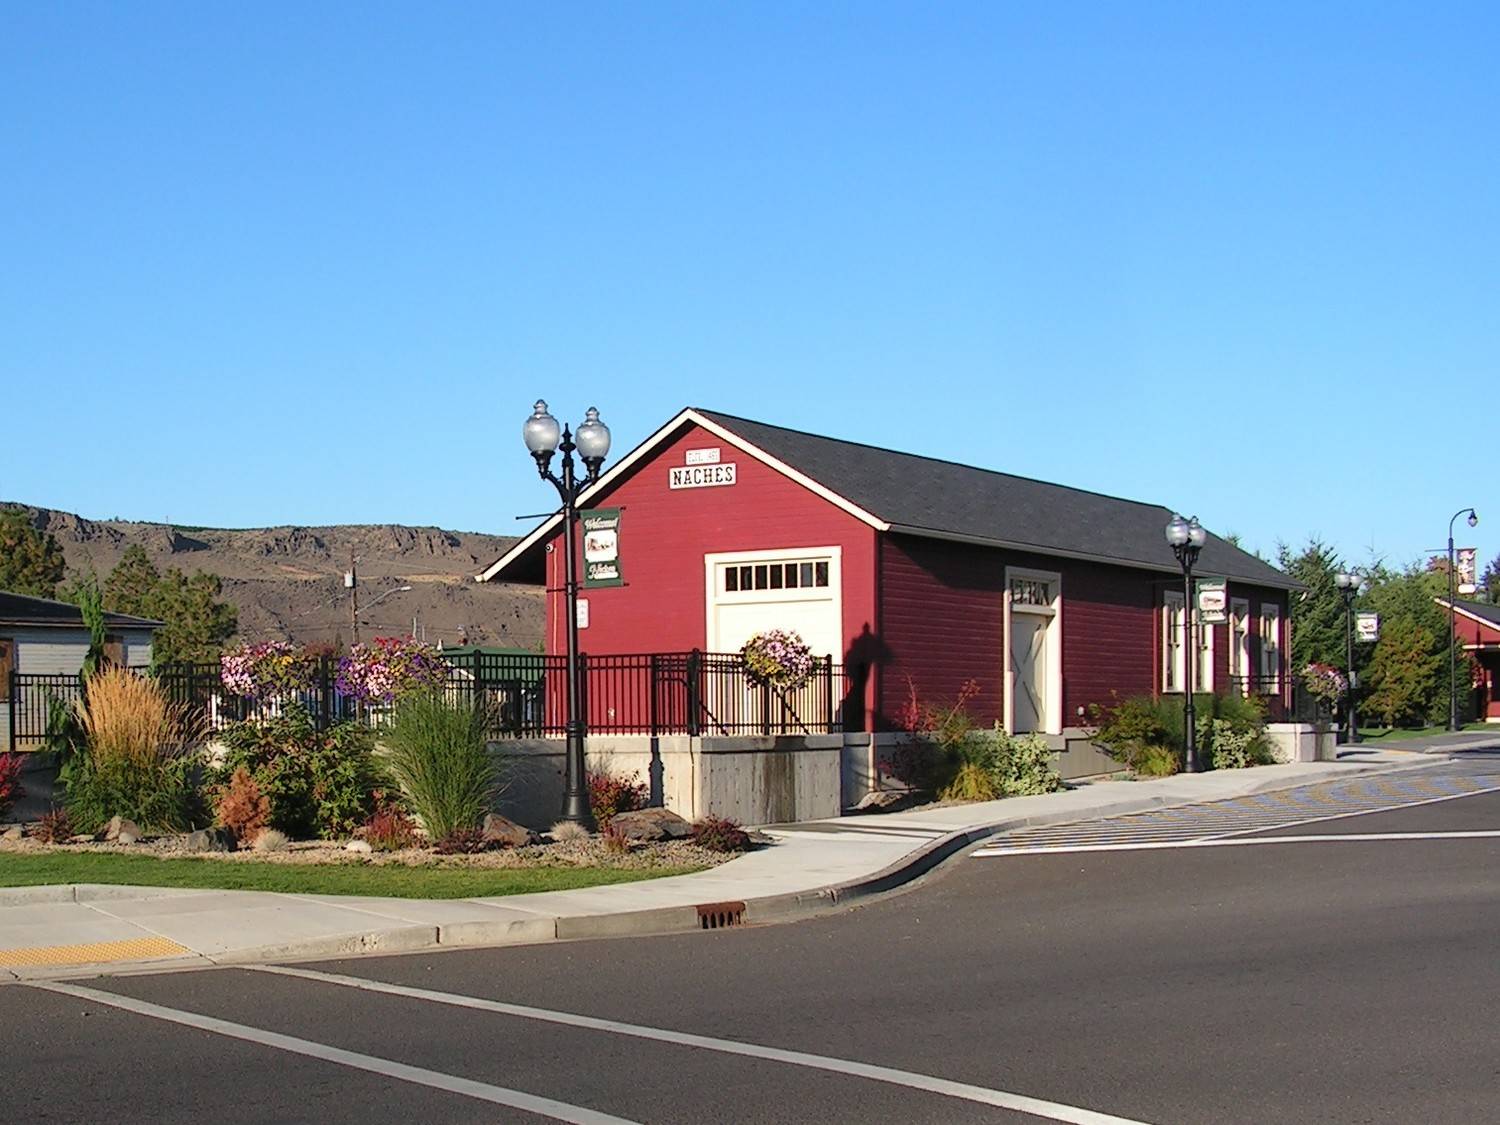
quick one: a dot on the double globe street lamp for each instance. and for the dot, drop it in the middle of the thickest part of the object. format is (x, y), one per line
(1186, 537)
(544, 438)
(1349, 586)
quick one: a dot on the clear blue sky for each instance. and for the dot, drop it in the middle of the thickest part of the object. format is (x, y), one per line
(312, 263)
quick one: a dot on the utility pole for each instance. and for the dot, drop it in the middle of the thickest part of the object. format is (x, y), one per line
(351, 580)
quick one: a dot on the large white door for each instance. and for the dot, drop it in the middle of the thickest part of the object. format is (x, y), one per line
(751, 592)
(1033, 654)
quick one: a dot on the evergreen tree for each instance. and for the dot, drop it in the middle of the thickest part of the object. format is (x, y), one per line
(198, 624)
(132, 584)
(1318, 623)
(30, 562)
(1489, 585)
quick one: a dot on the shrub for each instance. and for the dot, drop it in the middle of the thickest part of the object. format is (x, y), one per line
(242, 807)
(565, 830)
(390, 829)
(1156, 761)
(615, 840)
(138, 761)
(10, 780)
(439, 754)
(269, 840)
(319, 783)
(54, 827)
(461, 841)
(719, 834)
(610, 795)
(1144, 732)
(940, 738)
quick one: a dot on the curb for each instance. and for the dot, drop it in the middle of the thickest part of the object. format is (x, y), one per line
(792, 906)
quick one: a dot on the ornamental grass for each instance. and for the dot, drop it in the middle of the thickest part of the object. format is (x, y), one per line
(438, 751)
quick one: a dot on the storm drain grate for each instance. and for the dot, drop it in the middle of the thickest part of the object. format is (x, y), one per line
(717, 915)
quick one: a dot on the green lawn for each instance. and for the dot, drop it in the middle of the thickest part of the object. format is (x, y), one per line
(323, 879)
(1404, 734)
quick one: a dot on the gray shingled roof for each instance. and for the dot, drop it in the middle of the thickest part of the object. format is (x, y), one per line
(924, 496)
(1490, 613)
(23, 609)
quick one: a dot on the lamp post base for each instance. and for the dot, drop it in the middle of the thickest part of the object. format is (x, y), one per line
(576, 808)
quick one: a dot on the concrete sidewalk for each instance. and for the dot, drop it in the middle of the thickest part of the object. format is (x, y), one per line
(80, 930)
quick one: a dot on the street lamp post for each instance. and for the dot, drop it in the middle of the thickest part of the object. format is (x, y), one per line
(543, 439)
(1187, 537)
(1453, 619)
(1349, 585)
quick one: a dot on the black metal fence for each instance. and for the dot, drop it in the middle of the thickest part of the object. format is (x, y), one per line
(523, 696)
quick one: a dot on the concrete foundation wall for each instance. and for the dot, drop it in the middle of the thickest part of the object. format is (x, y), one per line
(751, 780)
(1302, 742)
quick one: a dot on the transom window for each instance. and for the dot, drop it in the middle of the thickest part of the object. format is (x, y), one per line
(1031, 591)
(775, 576)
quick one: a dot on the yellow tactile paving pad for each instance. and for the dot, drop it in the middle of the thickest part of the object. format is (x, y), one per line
(132, 949)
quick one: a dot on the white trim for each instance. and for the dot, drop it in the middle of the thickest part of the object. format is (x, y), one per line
(1054, 702)
(834, 591)
(1458, 609)
(1239, 610)
(552, 522)
(1173, 670)
(1203, 678)
(1269, 683)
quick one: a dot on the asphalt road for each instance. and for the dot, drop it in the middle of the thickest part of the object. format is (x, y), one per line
(1331, 981)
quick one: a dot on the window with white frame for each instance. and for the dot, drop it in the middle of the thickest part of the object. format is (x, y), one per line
(1203, 635)
(1270, 647)
(1239, 645)
(1173, 621)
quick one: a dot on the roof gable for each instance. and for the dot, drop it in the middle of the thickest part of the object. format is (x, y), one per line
(904, 492)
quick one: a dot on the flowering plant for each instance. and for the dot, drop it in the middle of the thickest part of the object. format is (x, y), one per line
(390, 667)
(268, 670)
(1324, 681)
(778, 657)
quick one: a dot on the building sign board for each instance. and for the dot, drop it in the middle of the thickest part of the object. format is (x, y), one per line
(702, 476)
(1466, 570)
(702, 457)
(1213, 601)
(601, 547)
(1367, 627)
(583, 613)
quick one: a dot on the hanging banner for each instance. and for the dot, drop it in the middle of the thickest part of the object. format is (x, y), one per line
(1367, 627)
(1213, 601)
(1466, 564)
(601, 547)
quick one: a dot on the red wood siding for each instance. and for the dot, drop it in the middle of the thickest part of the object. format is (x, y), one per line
(665, 533)
(943, 622)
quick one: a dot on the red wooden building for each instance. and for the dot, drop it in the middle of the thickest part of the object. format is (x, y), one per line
(912, 572)
(1477, 625)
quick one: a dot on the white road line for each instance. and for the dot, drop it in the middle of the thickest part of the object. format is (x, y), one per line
(1232, 842)
(1247, 826)
(1037, 1107)
(419, 1076)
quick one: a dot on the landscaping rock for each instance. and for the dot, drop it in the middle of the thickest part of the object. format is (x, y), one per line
(361, 846)
(81, 838)
(880, 800)
(651, 824)
(207, 840)
(507, 833)
(127, 836)
(120, 824)
(14, 832)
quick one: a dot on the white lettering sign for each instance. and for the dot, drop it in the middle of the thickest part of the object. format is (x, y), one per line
(583, 613)
(702, 476)
(702, 457)
(1367, 626)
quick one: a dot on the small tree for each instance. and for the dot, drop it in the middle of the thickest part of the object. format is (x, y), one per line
(30, 562)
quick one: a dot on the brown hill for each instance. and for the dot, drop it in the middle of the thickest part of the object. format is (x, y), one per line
(288, 582)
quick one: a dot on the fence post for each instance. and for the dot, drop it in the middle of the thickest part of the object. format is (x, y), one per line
(828, 680)
(694, 692)
(654, 687)
(10, 704)
(325, 692)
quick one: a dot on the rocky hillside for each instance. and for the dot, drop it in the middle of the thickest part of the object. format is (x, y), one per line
(288, 582)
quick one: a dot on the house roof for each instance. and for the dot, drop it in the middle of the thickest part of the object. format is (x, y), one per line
(22, 609)
(909, 494)
(1483, 612)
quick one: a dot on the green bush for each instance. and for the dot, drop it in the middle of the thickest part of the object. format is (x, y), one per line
(161, 795)
(987, 765)
(319, 783)
(438, 752)
(1146, 732)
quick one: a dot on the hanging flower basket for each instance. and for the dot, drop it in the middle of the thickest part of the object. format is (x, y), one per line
(391, 666)
(270, 670)
(779, 658)
(1325, 682)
